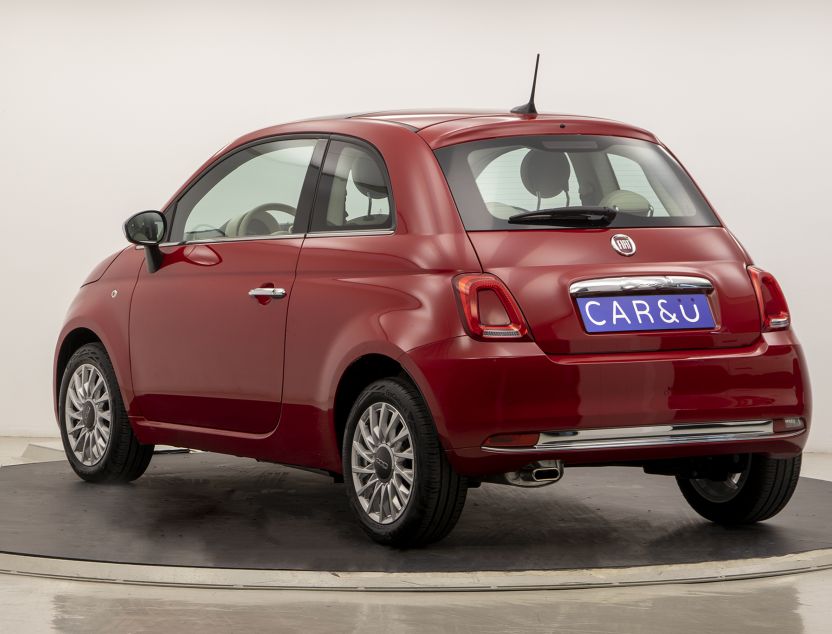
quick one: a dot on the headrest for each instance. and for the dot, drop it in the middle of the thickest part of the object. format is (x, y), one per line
(368, 177)
(625, 200)
(545, 174)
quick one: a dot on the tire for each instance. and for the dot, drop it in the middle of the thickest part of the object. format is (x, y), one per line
(109, 451)
(760, 492)
(426, 511)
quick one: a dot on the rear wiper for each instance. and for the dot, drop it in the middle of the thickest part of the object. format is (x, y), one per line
(566, 216)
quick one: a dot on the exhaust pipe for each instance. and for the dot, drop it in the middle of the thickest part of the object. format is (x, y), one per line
(549, 473)
(535, 474)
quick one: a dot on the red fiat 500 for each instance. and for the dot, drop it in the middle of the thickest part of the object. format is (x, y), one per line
(417, 302)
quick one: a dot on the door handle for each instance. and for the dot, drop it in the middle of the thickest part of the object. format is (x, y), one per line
(277, 293)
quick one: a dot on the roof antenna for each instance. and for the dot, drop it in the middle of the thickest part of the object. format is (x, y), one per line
(528, 108)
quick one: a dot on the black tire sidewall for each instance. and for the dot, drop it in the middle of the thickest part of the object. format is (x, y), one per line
(95, 355)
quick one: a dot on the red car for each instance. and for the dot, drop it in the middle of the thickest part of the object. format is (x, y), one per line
(418, 302)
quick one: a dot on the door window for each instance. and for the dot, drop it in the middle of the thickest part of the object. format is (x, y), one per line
(354, 194)
(255, 192)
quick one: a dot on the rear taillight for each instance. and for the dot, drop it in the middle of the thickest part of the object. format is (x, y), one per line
(488, 309)
(774, 313)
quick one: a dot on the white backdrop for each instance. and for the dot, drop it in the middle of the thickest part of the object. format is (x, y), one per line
(106, 107)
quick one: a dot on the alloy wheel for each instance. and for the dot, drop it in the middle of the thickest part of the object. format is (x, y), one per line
(383, 466)
(88, 414)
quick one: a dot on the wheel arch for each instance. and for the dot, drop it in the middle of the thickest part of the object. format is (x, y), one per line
(73, 340)
(356, 376)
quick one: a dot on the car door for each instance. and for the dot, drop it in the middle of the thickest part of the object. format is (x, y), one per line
(207, 329)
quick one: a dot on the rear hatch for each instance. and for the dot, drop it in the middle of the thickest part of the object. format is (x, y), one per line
(539, 267)
(553, 210)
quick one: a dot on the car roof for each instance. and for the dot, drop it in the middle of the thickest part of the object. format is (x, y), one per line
(449, 126)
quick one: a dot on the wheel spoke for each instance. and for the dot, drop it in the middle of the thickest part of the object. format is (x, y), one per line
(362, 469)
(372, 419)
(404, 433)
(73, 397)
(100, 444)
(76, 446)
(382, 422)
(78, 384)
(393, 495)
(370, 482)
(383, 496)
(84, 444)
(406, 475)
(88, 383)
(373, 495)
(360, 451)
(390, 432)
(96, 382)
(366, 435)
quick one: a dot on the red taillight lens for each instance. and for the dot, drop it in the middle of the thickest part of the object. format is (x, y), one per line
(488, 309)
(774, 313)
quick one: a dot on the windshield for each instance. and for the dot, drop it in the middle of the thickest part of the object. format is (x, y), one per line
(496, 179)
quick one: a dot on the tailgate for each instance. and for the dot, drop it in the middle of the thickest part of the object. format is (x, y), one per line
(540, 266)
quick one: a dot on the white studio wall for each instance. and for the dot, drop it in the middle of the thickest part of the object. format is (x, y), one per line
(108, 107)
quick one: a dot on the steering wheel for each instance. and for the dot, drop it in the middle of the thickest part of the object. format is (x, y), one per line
(257, 221)
(273, 207)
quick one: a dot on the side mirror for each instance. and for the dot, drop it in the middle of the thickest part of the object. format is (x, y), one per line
(147, 229)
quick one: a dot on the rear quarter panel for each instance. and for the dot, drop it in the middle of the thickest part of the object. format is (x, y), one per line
(370, 294)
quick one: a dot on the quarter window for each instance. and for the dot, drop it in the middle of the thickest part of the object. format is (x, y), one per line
(255, 192)
(354, 194)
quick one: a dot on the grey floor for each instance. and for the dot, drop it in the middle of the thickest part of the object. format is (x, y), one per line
(795, 603)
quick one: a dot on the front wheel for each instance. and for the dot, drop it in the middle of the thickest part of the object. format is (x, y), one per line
(96, 433)
(760, 491)
(398, 480)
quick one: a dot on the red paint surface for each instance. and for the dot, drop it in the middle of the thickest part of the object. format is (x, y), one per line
(203, 365)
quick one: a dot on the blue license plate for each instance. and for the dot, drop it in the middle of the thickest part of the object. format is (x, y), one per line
(645, 312)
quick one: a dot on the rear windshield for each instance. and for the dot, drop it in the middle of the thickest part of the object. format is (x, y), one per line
(495, 179)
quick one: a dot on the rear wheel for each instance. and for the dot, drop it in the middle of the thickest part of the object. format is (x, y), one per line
(97, 437)
(760, 491)
(397, 477)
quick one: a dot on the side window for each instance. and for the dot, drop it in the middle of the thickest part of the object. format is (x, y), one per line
(353, 194)
(254, 192)
(631, 178)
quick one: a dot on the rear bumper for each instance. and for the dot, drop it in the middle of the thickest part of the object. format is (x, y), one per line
(477, 390)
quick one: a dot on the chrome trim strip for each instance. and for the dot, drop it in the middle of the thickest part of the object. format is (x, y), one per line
(648, 283)
(649, 436)
(283, 236)
(321, 234)
(367, 232)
